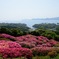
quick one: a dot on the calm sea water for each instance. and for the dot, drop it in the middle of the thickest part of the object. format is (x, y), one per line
(30, 23)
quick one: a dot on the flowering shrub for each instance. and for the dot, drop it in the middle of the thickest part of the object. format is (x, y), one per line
(15, 52)
(35, 41)
(9, 44)
(31, 40)
(25, 46)
(53, 42)
(12, 49)
(40, 50)
(7, 36)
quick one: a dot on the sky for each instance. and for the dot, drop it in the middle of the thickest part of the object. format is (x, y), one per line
(17, 10)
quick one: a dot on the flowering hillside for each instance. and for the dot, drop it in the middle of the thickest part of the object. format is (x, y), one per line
(26, 46)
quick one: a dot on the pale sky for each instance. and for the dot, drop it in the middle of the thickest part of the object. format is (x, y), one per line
(16, 10)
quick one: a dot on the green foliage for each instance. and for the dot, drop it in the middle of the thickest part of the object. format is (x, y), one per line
(50, 34)
(12, 31)
(57, 29)
(52, 54)
(49, 30)
(37, 32)
(5, 30)
(21, 26)
(45, 26)
(4, 39)
(16, 32)
(57, 37)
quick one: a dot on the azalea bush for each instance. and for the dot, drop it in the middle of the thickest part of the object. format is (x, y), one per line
(7, 36)
(9, 49)
(15, 52)
(27, 46)
(31, 41)
(9, 44)
(40, 51)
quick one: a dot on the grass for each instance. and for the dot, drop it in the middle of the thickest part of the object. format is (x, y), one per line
(40, 57)
(47, 57)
